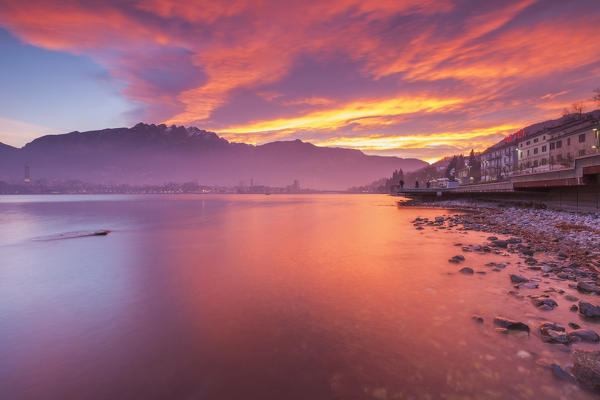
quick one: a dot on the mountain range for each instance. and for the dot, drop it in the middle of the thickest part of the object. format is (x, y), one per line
(153, 154)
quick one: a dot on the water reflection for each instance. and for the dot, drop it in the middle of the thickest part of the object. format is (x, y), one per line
(300, 297)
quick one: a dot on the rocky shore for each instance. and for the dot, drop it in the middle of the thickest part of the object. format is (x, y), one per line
(557, 252)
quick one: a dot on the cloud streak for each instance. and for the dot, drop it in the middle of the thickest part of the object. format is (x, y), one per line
(419, 74)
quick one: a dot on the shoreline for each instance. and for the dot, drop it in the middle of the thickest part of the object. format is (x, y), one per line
(554, 248)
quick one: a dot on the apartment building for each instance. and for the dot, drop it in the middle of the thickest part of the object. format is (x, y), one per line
(499, 161)
(533, 152)
(557, 147)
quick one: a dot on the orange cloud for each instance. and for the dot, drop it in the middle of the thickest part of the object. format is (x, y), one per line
(460, 62)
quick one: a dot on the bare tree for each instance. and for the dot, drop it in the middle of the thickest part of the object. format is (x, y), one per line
(565, 111)
(596, 97)
(577, 107)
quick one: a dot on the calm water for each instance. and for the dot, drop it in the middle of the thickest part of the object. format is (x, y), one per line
(253, 297)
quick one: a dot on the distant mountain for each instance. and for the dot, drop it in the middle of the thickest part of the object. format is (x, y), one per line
(149, 154)
(4, 148)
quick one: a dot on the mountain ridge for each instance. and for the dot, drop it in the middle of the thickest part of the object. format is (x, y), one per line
(150, 154)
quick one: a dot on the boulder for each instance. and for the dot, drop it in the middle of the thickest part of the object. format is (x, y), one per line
(586, 287)
(466, 270)
(589, 310)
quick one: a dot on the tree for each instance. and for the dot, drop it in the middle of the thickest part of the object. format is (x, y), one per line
(451, 168)
(474, 167)
(596, 97)
(577, 107)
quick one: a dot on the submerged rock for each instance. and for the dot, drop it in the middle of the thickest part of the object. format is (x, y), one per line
(477, 318)
(586, 368)
(561, 374)
(457, 258)
(510, 324)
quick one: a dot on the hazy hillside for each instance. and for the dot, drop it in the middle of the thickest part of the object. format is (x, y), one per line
(148, 154)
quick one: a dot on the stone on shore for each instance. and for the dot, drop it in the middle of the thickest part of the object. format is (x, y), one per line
(466, 270)
(586, 368)
(584, 335)
(528, 285)
(510, 324)
(518, 279)
(589, 310)
(571, 298)
(544, 304)
(586, 287)
(553, 333)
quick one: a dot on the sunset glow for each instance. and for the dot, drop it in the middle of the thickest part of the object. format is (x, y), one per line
(408, 78)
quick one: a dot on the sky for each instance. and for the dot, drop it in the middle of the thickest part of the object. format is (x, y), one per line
(410, 78)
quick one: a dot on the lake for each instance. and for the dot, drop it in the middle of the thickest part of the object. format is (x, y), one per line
(255, 297)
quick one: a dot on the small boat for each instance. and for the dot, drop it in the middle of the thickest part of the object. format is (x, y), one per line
(73, 235)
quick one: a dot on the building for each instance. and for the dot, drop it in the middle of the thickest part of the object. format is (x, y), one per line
(557, 147)
(533, 153)
(499, 161)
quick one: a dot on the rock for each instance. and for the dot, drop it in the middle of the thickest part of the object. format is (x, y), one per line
(586, 287)
(531, 261)
(518, 279)
(510, 324)
(574, 325)
(584, 335)
(466, 270)
(477, 318)
(492, 238)
(528, 285)
(456, 259)
(573, 308)
(589, 310)
(561, 374)
(527, 252)
(586, 368)
(522, 354)
(544, 304)
(571, 298)
(550, 335)
(500, 243)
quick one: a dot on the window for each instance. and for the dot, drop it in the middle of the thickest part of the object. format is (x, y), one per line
(544, 138)
(535, 151)
(559, 157)
(535, 163)
(568, 141)
(544, 161)
(535, 140)
(528, 153)
(552, 146)
(582, 152)
(559, 144)
(544, 148)
(582, 138)
(528, 142)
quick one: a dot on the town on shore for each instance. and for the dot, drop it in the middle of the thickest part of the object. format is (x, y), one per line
(544, 154)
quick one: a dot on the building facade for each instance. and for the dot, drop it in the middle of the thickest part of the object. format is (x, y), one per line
(499, 161)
